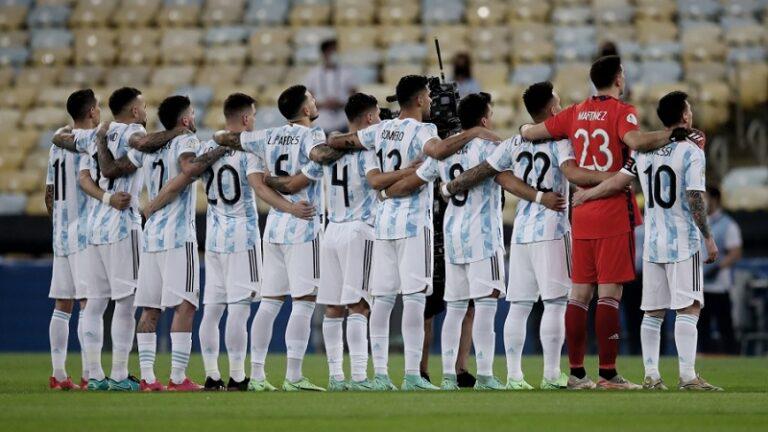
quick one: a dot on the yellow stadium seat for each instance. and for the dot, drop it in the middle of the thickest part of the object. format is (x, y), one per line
(37, 161)
(18, 97)
(704, 50)
(353, 12)
(181, 46)
(395, 14)
(352, 39)
(6, 76)
(747, 35)
(36, 205)
(14, 38)
(54, 96)
(10, 159)
(223, 90)
(226, 54)
(12, 16)
(399, 35)
(82, 76)
(489, 44)
(532, 52)
(135, 76)
(491, 74)
(310, 14)
(178, 15)
(571, 82)
(52, 56)
(172, 76)
(528, 10)
(20, 141)
(92, 13)
(295, 75)
(481, 13)
(260, 76)
(270, 45)
(530, 32)
(214, 118)
(650, 31)
(136, 13)
(379, 91)
(393, 72)
(710, 116)
(37, 76)
(453, 40)
(502, 115)
(751, 83)
(222, 12)
(9, 118)
(139, 47)
(702, 72)
(655, 9)
(94, 47)
(213, 74)
(620, 32)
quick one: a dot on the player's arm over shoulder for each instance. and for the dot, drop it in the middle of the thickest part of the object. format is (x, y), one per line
(628, 130)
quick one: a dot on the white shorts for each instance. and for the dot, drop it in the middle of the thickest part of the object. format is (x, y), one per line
(232, 277)
(476, 279)
(345, 263)
(68, 279)
(403, 266)
(169, 277)
(112, 270)
(291, 269)
(539, 269)
(672, 285)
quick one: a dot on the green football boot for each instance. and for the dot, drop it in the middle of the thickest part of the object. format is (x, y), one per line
(301, 385)
(335, 385)
(364, 385)
(417, 383)
(559, 383)
(260, 386)
(488, 383)
(382, 382)
(98, 385)
(128, 384)
(450, 382)
(518, 385)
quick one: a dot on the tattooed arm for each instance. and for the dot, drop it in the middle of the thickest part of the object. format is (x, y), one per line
(699, 213)
(287, 185)
(109, 166)
(405, 186)
(325, 155)
(64, 138)
(302, 209)
(347, 141)
(613, 185)
(228, 139)
(193, 166)
(49, 199)
(512, 184)
(583, 177)
(150, 143)
(470, 178)
(440, 149)
(118, 200)
(168, 193)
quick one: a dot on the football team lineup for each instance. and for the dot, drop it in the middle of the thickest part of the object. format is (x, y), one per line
(377, 186)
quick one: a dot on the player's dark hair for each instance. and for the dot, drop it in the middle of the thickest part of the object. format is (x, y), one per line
(80, 102)
(121, 98)
(408, 87)
(358, 104)
(671, 108)
(537, 97)
(604, 71)
(714, 192)
(472, 108)
(327, 45)
(171, 108)
(236, 103)
(291, 100)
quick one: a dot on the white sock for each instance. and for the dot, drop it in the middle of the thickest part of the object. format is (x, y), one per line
(552, 335)
(81, 340)
(379, 324)
(94, 335)
(514, 337)
(357, 340)
(334, 346)
(236, 338)
(450, 337)
(147, 343)
(58, 333)
(483, 335)
(413, 331)
(123, 331)
(297, 337)
(650, 340)
(181, 346)
(209, 339)
(685, 340)
(261, 335)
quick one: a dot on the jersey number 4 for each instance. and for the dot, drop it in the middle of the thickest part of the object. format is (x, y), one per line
(342, 181)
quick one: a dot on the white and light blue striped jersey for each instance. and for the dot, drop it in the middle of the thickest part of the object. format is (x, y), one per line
(666, 175)
(350, 197)
(398, 143)
(173, 225)
(232, 223)
(70, 203)
(472, 224)
(285, 151)
(538, 165)
(106, 224)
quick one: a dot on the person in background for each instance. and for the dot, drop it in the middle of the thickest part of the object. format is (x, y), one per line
(718, 279)
(462, 74)
(331, 84)
(610, 48)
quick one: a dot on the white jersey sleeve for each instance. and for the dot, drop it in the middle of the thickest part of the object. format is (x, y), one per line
(563, 152)
(502, 158)
(426, 133)
(254, 164)
(367, 136)
(254, 142)
(370, 162)
(429, 170)
(695, 171)
(313, 171)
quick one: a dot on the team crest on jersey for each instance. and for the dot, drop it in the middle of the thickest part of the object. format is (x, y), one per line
(317, 136)
(632, 119)
(113, 136)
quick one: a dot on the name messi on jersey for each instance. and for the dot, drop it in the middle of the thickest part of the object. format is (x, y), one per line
(392, 135)
(284, 140)
(592, 115)
(664, 151)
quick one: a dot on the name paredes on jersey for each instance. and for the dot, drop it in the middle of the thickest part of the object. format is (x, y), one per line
(284, 140)
(592, 115)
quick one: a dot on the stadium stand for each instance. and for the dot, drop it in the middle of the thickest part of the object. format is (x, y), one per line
(714, 49)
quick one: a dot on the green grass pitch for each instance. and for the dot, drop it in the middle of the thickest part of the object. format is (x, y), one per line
(27, 405)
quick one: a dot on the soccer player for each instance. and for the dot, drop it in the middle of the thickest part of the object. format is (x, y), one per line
(539, 250)
(602, 130)
(673, 182)
(472, 229)
(402, 255)
(68, 203)
(170, 245)
(291, 244)
(115, 234)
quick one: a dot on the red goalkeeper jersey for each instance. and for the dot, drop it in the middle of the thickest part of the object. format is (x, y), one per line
(596, 128)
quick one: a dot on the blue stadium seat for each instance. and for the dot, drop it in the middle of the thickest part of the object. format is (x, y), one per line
(442, 11)
(747, 54)
(313, 36)
(27, 3)
(659, 72)
(698, 9)
(365, 74)
(571, 15)
(367, 58)
(743, 7)
(564, 35)
(198, 3)
(50, 38)
(226, 35)
(527, 74)
(661, 51)
(200, 96)
(575, 51)
(12, 203)
(44, 140)
(268, 117)
(13, 56)
(406, 53)
(307, 54)
(48, 16)
(267, 11)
